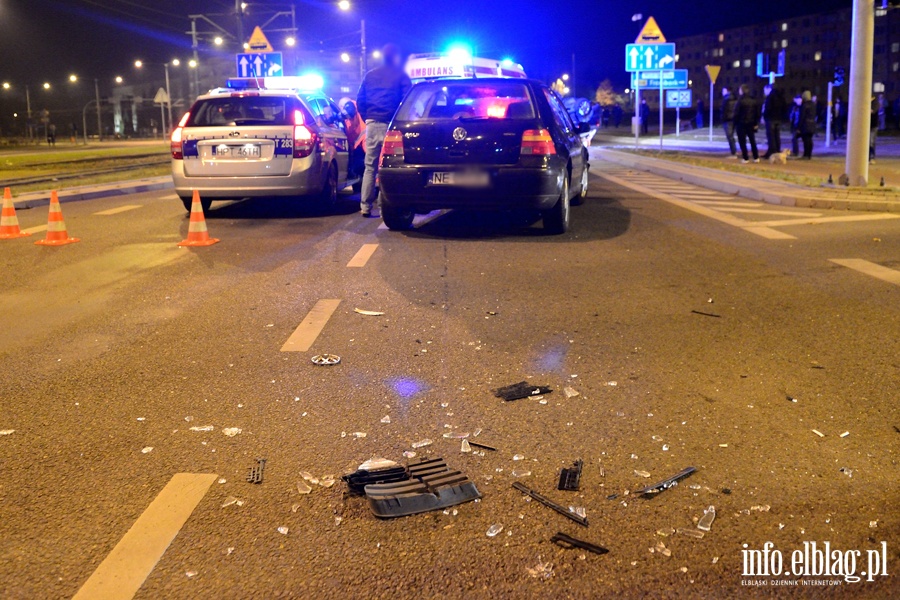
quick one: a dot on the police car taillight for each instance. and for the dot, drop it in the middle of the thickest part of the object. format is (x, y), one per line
(537, 142)
(304, 138)
(176, 145)
(393, 145)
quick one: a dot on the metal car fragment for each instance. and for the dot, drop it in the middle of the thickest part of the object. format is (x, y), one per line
(567, 541)
(255, 473)
(326, 359)
(550, 504)
(570, 478)
(666, 483)
(520, 390)
(431, 486)
(372, 472)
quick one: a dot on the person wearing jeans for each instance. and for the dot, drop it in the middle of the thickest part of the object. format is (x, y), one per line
(380, 94)
(746, 122)
(728, 105)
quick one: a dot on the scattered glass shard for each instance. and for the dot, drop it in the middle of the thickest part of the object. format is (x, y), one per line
(283, 530)
(690, 533)
(477, 432)
(541, 570)
(203, 428)
(571, 392)
(190, 574)
(521, 473)
(656, 438)
(386, 419)
(465, 447)
(706, 521)
(846, 471)
(147, 450)
(422, 443)
(518, 457)
(229, 501)
(409, 454)
(661, 549)
(222, 480)
(612, 383)
(232, 431)
(494, 530)
(456, 435)
(665, 448)
(229, 550)
(542, 401)
(641, 473)
(715, 559)
(761, 507)
(845, 434)
(309, 477)
(337, 521)
(326, 483)
(358, 434)
(666, 531)
(189, 419)
(578, 510)
(7, 431)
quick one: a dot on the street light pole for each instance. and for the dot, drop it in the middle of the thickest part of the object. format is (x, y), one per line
(363, 64)
(860, 101)
(99, 120)
(169, 103)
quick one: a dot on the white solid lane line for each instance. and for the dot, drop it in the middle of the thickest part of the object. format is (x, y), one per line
(724, 203)
(37, 229)
(363, 256)
(822, 220)
(760, 211)
(117, 210)
(124, 570)
(306, 333)
(869, 268)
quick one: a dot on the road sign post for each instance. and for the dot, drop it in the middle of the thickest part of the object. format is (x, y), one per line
(649, 52)
(670, 79)
(713, 72)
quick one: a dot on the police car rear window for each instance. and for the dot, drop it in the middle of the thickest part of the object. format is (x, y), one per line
(244, 110)
(439, 100)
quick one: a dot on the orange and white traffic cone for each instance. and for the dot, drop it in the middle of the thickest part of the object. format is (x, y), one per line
(198, 235)
(56, 226)
(9, 224)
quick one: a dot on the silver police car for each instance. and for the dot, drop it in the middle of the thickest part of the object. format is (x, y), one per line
(249, 140)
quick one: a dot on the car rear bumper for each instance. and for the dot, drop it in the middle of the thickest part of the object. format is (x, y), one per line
(407, 187)
(306, 177)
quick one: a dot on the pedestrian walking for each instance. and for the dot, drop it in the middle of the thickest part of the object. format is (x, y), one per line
(645, 117)
(873, 130)
(746, 122)
(795, 125)
(808, 124)
(772, 114)
(51, 134)
(837, 119)
(701, 110)
(380, 94)
(728, 105)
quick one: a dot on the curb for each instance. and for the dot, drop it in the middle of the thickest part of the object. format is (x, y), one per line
(122, 188)
(752, 188)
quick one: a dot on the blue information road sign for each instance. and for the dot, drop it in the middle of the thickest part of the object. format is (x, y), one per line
(649, 57)
(265, 64)
(678, 99)
(675, 79)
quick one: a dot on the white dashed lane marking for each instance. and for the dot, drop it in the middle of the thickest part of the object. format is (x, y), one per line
(308, 331)
(362, 257)
(117, 210)
(37, 229)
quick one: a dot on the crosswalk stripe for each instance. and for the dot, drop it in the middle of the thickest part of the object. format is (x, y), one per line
(823, 220)
(869, 268)
(758, 211)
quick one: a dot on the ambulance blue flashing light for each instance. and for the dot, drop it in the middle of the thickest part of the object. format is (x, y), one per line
(507, 62)
(460, 53)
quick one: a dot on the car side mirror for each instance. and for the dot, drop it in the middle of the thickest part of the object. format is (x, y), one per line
(583, 128)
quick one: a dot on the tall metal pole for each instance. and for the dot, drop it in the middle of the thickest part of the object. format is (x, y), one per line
(169, 103)
(712, 98)
(28, 109)
(661, 109)
(828, 114)
(636, 122)
(99, 121)
(239, 14)
(363, 62)
(860, 98)
(195, 81)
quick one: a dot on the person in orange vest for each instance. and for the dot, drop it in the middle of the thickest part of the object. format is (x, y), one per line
(356, 136)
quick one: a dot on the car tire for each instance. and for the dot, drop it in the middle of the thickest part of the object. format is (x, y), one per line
(328, 195)
(189, 200)
(583, 192)
(397, 219)
(556, 219)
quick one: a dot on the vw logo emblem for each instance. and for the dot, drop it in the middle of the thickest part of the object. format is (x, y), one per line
(459, 134)
(235, 134)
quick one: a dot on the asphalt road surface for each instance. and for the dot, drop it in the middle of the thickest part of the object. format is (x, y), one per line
(124, 342)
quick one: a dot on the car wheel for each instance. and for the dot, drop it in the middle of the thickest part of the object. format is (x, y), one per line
(188, 202)
(329, 188)
(583, 192)
(397, 219)
(556, 219)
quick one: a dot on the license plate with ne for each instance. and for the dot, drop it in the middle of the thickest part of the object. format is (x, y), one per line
(242, 151)
(460, 178)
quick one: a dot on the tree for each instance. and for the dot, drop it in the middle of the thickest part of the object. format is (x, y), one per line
(606, 95)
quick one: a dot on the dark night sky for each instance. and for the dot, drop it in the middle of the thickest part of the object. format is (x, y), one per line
(45, 40)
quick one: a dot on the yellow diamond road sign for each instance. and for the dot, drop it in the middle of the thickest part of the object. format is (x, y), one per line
(259, 42)
(650, 34)
(713, 72)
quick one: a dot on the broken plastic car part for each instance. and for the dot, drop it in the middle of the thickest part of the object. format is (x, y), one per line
(523, 389)
(326, 359)
(550, 504)
(570, 478)
(667, 483)
(430, 486)
(255, 474)
(372, 472)
(566, 541)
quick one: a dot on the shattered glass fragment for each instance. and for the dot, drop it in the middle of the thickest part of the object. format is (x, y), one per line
(422, 443)
(521, 473)
(493, 530)
(303, 488)
(203, 428)
(386, 419)
(690, 533)
(465, 447)
(283, 530)
(571, 392)
(706, 521)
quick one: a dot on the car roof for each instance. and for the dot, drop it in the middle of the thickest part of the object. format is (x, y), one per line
(229, 92)
(530, 81)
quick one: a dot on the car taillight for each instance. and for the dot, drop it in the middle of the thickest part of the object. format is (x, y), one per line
(176, 145)
(537, 142)
(393, 145)
(304, 138)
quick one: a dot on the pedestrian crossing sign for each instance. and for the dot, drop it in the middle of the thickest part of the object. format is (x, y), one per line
(650, 34)
(259, 42)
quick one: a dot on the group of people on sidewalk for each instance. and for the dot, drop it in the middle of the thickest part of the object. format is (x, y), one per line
(742, 116)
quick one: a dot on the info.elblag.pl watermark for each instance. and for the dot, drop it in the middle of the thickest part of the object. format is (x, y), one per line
(813, 565)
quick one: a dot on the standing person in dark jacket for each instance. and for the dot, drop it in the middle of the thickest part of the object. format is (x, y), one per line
(728, 106)
(772, 113)
(380, 94)
(645, 117)
(746, 122)
(794, 118)
(807, 124)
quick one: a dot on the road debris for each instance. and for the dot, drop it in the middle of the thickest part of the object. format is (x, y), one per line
(303, 488)
(579, 510)
(232, 431)
(690, 533)
(422, 443)
(571, 392)
(7, 431)
(818, 433)
(465, 446)
(190, 574)
(386, 419)
(232, 500)
(255, 473)
(483, 446)
(147, 450)
(666, 531)
(283, 530)
(203, 428)
(494, 529)
(570, 477)
(541, 570)
(790, 398)
(358, 434)
(326, 360)
(368, 313)
(845, 434)
(706, 521)
(566, 541)
(521, 473)
(409, 454)
(550, 504)
(660, 548)
(641, 473)
(375, 470)
(518, 457)
(456, 435)
(667, 483)
(706, 314)
(430, 485)
(520, 390)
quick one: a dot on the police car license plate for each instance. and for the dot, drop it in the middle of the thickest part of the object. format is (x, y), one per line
(235, 151)
(461, 178)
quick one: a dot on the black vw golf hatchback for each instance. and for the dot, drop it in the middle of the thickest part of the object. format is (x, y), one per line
(487, 143)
